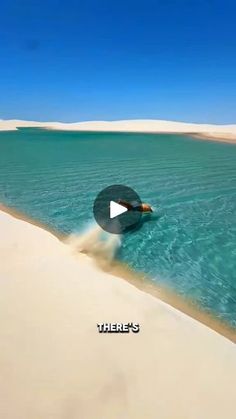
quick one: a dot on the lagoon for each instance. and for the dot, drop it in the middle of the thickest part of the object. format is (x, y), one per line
(190, 242)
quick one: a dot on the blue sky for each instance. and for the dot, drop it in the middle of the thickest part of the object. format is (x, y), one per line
(99, 59)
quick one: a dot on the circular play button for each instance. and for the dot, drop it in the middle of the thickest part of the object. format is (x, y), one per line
(117, 209)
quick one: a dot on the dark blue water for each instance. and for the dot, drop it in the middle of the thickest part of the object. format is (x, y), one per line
(190, 242)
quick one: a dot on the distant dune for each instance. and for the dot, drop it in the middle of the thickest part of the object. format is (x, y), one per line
(209, 131)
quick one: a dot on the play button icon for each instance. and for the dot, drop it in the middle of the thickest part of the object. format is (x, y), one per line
(116, 209)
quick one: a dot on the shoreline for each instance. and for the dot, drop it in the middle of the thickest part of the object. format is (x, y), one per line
(55, 363)
(142, 282)
(217, 137)
(211, 132)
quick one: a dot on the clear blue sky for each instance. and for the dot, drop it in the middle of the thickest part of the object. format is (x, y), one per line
(118, 59)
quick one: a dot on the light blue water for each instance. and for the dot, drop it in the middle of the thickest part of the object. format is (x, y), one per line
(189, 243)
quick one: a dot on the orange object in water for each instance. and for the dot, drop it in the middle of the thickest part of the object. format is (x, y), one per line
(146, 208)
(142, 207)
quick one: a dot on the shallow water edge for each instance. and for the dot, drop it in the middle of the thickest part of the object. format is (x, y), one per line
(143, 283)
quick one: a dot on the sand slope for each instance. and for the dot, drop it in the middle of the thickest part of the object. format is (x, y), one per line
(210, 131)
(54, 364)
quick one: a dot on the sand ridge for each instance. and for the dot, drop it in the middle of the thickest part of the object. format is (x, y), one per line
(226, 133)
(54, 363)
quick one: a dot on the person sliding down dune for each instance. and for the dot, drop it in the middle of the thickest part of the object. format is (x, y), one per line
(136, 206)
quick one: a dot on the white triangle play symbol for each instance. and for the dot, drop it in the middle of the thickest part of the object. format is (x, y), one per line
(116, 209)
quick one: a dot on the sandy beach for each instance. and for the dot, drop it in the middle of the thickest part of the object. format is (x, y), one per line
(54, 363)
(226, 133)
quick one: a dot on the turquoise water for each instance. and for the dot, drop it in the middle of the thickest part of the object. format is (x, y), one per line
(189, 243)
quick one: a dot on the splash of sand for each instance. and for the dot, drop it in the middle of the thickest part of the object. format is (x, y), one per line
(96, 243)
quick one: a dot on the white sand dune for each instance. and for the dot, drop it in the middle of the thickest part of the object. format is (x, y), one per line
(54, 363)
(210, 131)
